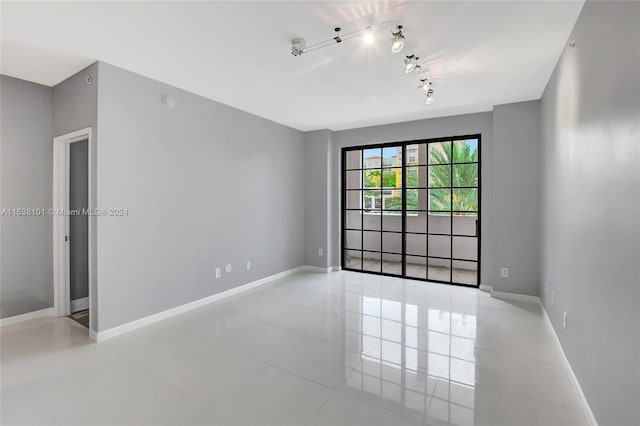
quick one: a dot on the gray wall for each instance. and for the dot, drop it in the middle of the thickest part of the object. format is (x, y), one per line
(75, 107)
(204, 185)
(316, 211)
(516, 201)
(590, 247)
(78, 224)
(26, 266)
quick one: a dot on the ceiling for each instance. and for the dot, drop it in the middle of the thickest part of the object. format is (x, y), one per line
(480, 53)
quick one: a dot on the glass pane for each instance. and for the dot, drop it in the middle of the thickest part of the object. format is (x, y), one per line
(439, 246)
(439, 176)
(353, 259)
(439, 269)
(392, 199)
(353, 199)
(417, 223)
(392, 157)
(392, 264)
(440, 199)
(353, 159)
(465, 151)
(465, 200)
(392, 222)
(354, 179)
(392, 178)
(465, 175)
(439, 224)
(413, 155)
(372, 222)
(440, 153)
(372, 200)
(465, 272)
(371, 262)
(371, 241)
(372, 178)
(416, 267)
(465, 225)
(392, 242)
(414, 198)
(417, 177)
(465, 248)
(354, 220)
(416, 244)
(353, 240)
(372, 158)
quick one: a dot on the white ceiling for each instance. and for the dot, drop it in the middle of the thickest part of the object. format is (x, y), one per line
(480, 53)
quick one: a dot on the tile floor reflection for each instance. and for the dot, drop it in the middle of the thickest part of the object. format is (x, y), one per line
(318, 349)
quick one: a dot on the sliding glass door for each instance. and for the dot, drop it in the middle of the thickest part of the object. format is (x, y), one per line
(412, 209)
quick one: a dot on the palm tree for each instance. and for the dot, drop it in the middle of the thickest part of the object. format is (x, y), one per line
(463, 177)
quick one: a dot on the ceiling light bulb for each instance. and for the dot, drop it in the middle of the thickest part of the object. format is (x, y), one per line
(397, 45)
(409, 63)
(425, 85)
(368, 36)
(430, 100)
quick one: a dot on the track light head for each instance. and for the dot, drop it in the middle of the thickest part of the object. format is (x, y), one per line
(397, 40)
(430, 99)
(297, 46)
(409, 63)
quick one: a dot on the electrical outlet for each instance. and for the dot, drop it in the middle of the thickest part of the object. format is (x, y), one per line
(504, 272)
(564, 319)
(228, 268)
(248, 265)
(218, 273)
(320, 252)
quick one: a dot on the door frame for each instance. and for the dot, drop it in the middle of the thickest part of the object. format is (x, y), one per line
(61, 257)
(404, 144)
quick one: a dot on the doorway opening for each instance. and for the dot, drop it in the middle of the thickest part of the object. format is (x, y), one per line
(412, 209)
(74, 227)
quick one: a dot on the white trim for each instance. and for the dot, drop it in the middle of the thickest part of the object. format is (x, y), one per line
(487, 288)
(61, 286)
(316, 269)
(26, 317)
(515, 296)
(582, 400)
(507, 295)
(80, 304)
(336, 268)
(133, 325)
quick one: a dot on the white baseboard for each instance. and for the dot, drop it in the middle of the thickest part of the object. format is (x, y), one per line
(582, 400)
(80, 304)
(16, 319)
(336, 268)
(514, 296)
(133, 325)
(507, 295)
(316, 269)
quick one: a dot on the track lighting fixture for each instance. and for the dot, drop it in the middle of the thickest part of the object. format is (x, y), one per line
(410, 63)
(429, 91)
(367, 34)
(397, 40)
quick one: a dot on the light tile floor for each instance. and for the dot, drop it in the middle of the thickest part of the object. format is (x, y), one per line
(311, 349)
